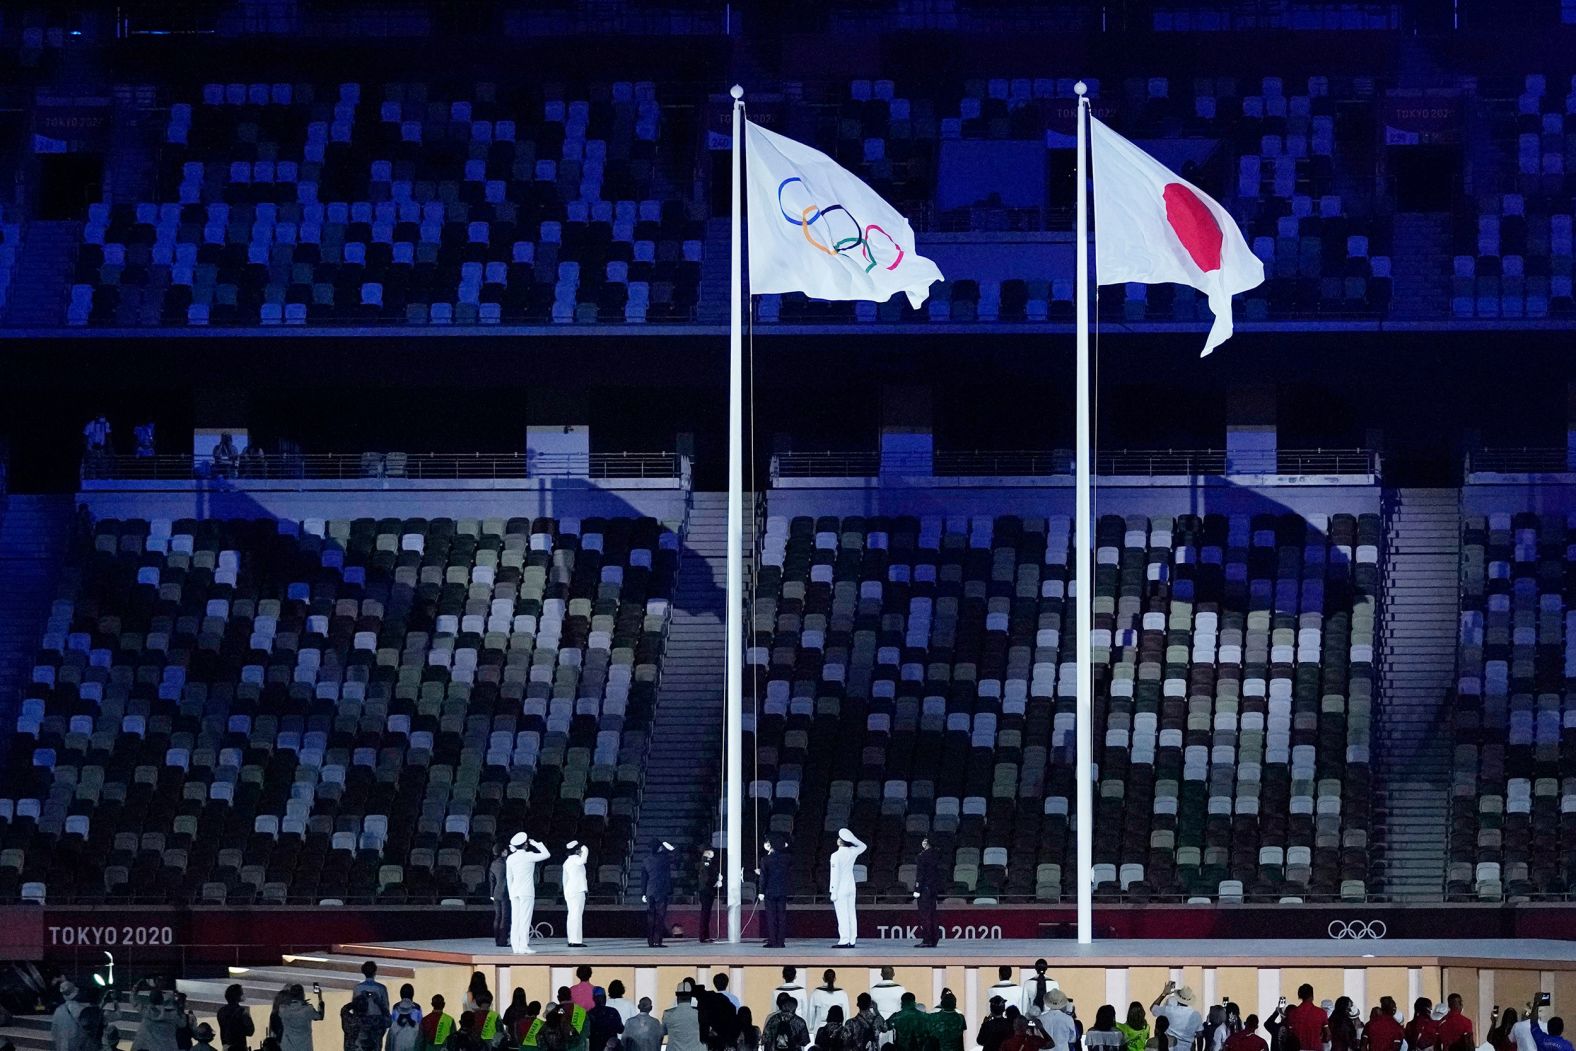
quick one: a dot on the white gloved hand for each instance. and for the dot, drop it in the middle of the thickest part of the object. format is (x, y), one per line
(760, 897)
(719, 884)
(643, 900)
(916, 894)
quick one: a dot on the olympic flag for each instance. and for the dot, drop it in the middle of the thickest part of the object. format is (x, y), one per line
(1152, 227)
(816, 228)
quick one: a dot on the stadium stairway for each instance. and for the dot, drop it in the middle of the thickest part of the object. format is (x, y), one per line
(38, 285)
(1420, 603)
(31, 1032)
(34, 534)
(685, 750)
(1420, 247)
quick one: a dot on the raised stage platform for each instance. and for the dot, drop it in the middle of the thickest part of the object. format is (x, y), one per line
(1254, 973)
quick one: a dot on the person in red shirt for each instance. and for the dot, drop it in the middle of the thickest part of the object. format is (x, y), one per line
(1247, 1038)
(1308, 1021)
(1422, 1032)
(1026, 1036)
(1384, 1033)
(1455, 1026)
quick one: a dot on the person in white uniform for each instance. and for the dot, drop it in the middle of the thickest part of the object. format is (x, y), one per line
(575, 893)
(843, 889)
(794, 988)
(1036, 988)
(521, 869)
(888, 997)
(826, 996)
(1006, 987)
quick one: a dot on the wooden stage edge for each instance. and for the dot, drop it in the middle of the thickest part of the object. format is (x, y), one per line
(810, 957)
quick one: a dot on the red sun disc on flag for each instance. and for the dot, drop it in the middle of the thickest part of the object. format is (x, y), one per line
(1194, 225)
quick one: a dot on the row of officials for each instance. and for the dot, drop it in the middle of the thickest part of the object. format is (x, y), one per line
(512, 883)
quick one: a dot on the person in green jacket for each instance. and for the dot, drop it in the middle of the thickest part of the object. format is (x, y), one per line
(945, 1025)
(1136, 1029)
(576, 1016)
(909, 1026)
(436, 1028)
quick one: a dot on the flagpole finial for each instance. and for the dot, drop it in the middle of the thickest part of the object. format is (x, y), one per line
(737, 91)
(1080, 89)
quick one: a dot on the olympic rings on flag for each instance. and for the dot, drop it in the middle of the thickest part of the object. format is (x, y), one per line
(837, 246)
(1358, 929)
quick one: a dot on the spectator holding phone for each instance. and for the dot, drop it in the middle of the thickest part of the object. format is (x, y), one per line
(1528, 1035)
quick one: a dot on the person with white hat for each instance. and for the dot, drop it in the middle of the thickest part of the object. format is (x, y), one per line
(1179, 1004)
(656, 887)
(1059, 1021)
(575, 893)
(844, 887)
(521, 870)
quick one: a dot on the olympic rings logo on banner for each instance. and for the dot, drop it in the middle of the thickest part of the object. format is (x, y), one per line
(850, 236)
(1358, 929)
(542, 929)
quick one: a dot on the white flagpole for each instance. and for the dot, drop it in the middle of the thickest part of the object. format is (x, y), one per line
(734, 654)
(1083, 539)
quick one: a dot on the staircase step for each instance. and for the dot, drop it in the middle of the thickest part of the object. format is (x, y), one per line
(1421, 573)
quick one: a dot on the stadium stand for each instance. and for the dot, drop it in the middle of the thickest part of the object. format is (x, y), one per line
(1513, 818)
(1234, 664)
(10, 240)
(295, 204)
(1512, 240)
(250, 711)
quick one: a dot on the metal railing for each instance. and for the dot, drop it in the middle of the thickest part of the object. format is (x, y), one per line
(393, 465)
(958, 463)
(826, 465)
(1524, 460)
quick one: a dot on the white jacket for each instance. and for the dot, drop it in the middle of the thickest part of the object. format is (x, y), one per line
(521, 870)
(822, 1000)
(888, 997)
(1026, 1005)
(801, 1000)
(574, 874)
(842, 866)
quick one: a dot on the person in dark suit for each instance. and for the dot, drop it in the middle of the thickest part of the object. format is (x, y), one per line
(775, 883)
(498, 890)
(656, 887)
(718, 1018)
(927, 889)
(708, 881)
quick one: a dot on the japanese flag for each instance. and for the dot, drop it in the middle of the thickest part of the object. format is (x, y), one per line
(1153, 227)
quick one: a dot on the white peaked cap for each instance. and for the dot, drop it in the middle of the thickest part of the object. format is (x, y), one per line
(572, 844)
(666, 845)
(520, 839)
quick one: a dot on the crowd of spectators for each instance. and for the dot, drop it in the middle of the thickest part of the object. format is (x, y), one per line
(1031, 1016)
